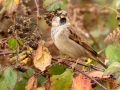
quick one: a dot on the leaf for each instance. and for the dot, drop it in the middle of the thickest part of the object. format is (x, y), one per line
(8, 79)
(42, 57)
(9, 6)
(15, 57)
(52, 5)
(39, 51)
(21, 84)
(81, 83)
(48, 2)
(62, 81)
(0, 1)
(30, 72)
(6, 4)
(98, 74)
(114, 67)
(111, 21)
(32, 83)
(23, 58)
(20, 42)
(40, 88)
(113, 52)
(13, 42)
(118, 80)
(25, 61)
(103, 84)
(116, 4)
(56, 70)
(41, 79)
(23, 78)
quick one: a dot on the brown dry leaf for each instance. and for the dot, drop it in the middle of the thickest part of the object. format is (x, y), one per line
(81, 83)
(98, 74)
(0, 1)
(42, 57)
(32, 83)
(40, 88)
(39, 51)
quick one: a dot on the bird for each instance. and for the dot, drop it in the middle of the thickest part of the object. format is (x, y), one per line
(69, 40)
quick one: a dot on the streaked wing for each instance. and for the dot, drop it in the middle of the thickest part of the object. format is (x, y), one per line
(75, 36)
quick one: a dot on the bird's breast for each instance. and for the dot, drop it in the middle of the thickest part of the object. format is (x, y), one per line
(65, 44)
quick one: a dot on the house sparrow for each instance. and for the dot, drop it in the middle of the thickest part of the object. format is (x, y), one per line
(69, 41)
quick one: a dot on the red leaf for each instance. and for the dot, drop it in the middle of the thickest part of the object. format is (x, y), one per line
(81, 83)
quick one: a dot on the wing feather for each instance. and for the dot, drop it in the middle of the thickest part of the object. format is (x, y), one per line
(75, 36)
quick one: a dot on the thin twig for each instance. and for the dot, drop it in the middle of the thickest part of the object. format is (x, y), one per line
(37, 6)
(74, 61)
(89, 66)
(3, 69)
(6, 53)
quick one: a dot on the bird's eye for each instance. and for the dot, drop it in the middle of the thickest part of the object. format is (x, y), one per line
(58, 14)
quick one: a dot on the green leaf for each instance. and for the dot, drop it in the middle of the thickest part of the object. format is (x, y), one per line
(99, 88)
(20, 42)
(114, 67)
(63, 81)
(56, 70)
(30, 72)
(8, 79)
(111, 21)
(113, 52)
(109, 62)
(7, 2)
(24, 79)
(118, 80)
(47, 2)
(116, 4)
(116, 75)
(13, 42)
(52, 5)
(41, 79)
(21, 85)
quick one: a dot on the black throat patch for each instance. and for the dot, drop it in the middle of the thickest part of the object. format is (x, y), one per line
(62, 21)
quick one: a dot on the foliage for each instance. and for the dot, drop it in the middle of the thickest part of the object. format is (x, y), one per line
(30, 61)
(8, 79)
(61, 82)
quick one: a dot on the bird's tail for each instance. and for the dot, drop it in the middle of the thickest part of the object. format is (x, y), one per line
(99, 60)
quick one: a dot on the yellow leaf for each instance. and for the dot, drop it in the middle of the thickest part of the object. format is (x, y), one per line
(25, 61)
(42, 57)
(40, 88)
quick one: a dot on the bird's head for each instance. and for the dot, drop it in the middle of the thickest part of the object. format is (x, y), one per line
(60, 18)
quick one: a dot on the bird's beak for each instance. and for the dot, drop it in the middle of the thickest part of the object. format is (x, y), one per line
(62, 15)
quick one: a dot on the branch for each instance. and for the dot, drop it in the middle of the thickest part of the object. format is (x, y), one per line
(79, 63)
(82, 72)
